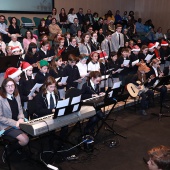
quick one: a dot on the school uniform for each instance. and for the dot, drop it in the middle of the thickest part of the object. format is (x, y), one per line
(85, 48)
(87, 91)
(40, 77)
(43, 54)
(163, 89)
(93, 66)
(73, 74)
(25, 87)
(94, 45)
(133, 69)
(73, 50)
(43, 103)
(57, 75)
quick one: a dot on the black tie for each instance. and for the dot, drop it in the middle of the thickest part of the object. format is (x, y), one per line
(12, 97)
(119, 39)
(51, 102)
(109, 47)
(88, 49)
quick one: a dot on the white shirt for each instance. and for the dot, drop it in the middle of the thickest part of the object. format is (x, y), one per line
(45, 52)
(82, 69)
(48, 98)
(156, 73)
(93, 67)
(92, 84)
(9, 96)
(71, 17)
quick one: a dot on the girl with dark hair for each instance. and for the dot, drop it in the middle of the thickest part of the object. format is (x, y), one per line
(11, 113)
(85, 47)
(56, 71)
(47, 99)
(42, 28)
(71, 70)
(89, 90)
(71, 15)
(55, 15)
(32, 56)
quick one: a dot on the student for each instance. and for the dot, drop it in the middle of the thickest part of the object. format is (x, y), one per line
(71, 70)
(133, 57)
(26, 84)
(100, 36)
(82, 67)
(11, 114)
(94, 64)
(124, 56)
(56, 71)
(47, 98)
(155, 71)
(44, 53)
(67, 39)
(32, 56)
(159, 158)
(93, 42)
(143, 53)
(44, 37)
(89, 90)
(113, 64)
(42, 74)
(85, 47)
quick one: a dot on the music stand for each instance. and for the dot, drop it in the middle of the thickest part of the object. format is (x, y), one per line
(110, 98)
(163, 81)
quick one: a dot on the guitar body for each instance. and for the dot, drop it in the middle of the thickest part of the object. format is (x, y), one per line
(133, 90)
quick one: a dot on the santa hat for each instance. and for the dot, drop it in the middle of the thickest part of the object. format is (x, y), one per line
(135, 48)
(12, 72)
(156, 44)
(164, 43)
(26, 66)
(14, 49)
(151, 46)
(103, 55)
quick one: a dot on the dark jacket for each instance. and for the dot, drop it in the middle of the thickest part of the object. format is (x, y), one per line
(87, 90)
(42, 105)
(40, 78)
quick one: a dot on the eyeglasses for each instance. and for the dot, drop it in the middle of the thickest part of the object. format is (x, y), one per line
(10, 86)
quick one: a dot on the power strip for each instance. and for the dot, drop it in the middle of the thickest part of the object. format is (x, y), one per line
(52, 167)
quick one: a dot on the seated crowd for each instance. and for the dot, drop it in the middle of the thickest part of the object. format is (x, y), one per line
(91, 46)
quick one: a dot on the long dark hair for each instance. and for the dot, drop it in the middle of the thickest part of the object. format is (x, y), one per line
(53, 65)
(26, 34)
(3, 92)
(30, 47)
(49, 81)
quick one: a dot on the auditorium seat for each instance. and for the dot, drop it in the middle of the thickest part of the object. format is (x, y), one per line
(36, 21)
(26, 20)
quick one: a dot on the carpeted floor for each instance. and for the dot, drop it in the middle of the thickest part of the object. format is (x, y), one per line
(142, 132)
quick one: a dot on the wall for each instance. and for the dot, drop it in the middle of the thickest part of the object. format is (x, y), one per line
(157, 10)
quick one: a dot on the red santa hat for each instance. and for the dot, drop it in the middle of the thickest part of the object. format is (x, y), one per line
(26, 66)
(135, 48)
(151, 46)
(14, 49)
(12, 72)
(103, 55)
(164, 43)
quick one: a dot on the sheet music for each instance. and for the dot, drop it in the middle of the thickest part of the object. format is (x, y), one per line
(79, 79)
(62, 103)
(61, 112)
(64, 79)
(126, 62)
(110, 94)
(135, 62)
(148, 57)
(57, 79)
(50, 58)
(75, 108)
(116, 85)
(119, 70)
(109, 70)
(36, 86)
(76, 100)
(104, 77)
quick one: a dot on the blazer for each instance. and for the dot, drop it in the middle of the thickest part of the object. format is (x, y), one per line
(87, 90)
(105, 47)
(115, 41)
(42, 105)
(94, 47)
(83, 49)
(6, 113)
